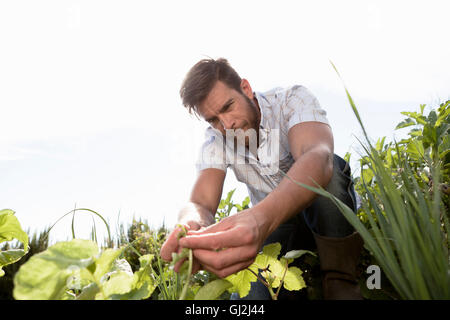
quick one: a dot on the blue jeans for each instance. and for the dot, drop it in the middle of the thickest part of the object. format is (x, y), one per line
(321, 217)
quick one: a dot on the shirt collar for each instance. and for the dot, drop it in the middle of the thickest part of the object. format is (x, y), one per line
(260, 97)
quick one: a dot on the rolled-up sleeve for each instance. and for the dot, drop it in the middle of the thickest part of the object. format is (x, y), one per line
(303, 106)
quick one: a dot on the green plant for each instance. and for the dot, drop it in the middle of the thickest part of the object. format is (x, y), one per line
(267, 268)
(226, 206)
(77, 270)
(10, 229)
(428, 144)
(37, 243)
(186, 268)
(272, 271)
(407, 229)
(83, 210)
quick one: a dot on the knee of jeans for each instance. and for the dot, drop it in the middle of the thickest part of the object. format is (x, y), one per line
(257, 292)
(282, 234)
(341, 184)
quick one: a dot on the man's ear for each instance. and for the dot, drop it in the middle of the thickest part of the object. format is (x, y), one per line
(246, 88)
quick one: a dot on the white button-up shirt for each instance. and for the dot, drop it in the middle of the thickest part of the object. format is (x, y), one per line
(281, 109)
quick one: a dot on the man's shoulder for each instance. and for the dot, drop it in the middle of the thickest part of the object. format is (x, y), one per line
(282, 93)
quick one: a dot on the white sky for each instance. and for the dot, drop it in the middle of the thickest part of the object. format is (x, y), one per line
(89, 106)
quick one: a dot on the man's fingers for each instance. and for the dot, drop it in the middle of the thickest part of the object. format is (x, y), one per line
(222, 225)
(235, 237)
(196, 266)
(229, 270)
(178, 265)
(170, 245)
(224, 258)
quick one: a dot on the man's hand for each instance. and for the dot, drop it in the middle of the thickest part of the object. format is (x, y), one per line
(229, 245)
(172, 245)
(193, 217)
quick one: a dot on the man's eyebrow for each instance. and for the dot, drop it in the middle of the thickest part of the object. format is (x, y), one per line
(226, 104)
(224, 107)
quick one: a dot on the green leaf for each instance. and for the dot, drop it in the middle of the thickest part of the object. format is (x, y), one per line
(178, 257)
(120, 282)
(269, 259)
(242, 280)
(352, 104)
(229, 195)
(294, 254)
(272, 250)
(415, 133)
(416, 149)
(89, 292)
(106, 263)
(422, 107)
(293, 279)
(269, 256)
(380, 143)
(10, 256)
(442, 117)
(44, 275)
(143, 284)
(406, 123)
(82, 210)
(347, 156)
(10, 228)
(367, 175)
(213, 290)
(419, 118)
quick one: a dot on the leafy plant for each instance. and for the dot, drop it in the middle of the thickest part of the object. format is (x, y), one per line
(10, 229)
(76, 270)
(226, 206)
(186, 268)
(408, 224)
(272, 272)
(428, 144)
(37, 243)
(83, 210)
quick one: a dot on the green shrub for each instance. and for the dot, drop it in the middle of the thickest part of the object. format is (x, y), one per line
(405, 216)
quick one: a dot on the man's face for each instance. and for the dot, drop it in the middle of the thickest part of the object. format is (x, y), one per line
(225, 108)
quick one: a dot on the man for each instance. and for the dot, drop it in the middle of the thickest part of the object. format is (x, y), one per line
(281, 210)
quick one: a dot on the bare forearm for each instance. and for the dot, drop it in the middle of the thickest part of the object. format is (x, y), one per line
(289, 198)
(194, 212)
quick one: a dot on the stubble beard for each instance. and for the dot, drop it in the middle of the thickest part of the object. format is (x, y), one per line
(254, 125)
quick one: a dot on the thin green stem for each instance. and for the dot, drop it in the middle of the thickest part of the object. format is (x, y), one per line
(259, 278)
(282, 280)
(186, 285)
(272, 294)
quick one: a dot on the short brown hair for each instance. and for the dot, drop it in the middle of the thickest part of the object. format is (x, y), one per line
(202, 77)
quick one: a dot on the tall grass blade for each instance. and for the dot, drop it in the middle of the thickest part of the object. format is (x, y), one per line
(76, 210)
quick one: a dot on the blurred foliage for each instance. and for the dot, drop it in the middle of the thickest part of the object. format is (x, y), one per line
(227, 205)
(404, 190)
(38, 242)
(428, 145)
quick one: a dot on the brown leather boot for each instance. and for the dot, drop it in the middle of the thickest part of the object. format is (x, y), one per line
(338, 261)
